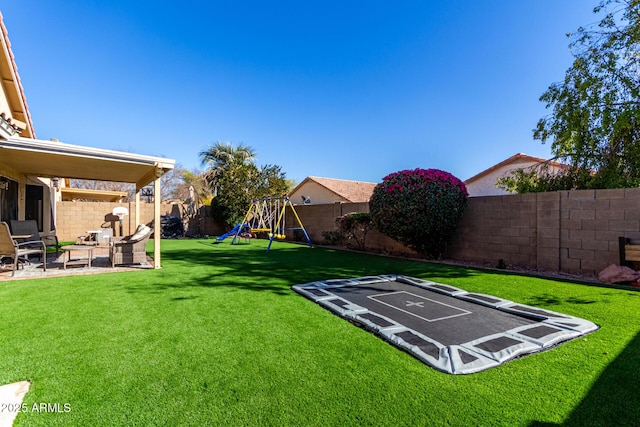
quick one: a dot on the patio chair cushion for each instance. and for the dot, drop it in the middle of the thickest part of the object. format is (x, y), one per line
(140, 233)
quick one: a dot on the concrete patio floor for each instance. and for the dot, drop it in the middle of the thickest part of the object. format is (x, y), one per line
(99, 264)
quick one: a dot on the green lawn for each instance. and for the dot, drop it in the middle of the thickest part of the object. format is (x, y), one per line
(218, 338)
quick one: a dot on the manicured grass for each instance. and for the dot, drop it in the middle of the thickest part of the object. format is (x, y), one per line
(218, 338)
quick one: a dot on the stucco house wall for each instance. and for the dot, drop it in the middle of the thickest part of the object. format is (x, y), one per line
(4, 104)
(316, 190)
(484, 183)
(316, 193)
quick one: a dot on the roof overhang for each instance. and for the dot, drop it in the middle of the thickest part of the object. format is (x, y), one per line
(10, 80)
(57, 159)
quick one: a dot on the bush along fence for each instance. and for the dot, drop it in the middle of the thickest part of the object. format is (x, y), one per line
(420, 208)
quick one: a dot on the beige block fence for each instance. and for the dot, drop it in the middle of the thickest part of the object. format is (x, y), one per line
(74, 219)
(564, 231)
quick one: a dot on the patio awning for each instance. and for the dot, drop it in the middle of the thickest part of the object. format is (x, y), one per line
(57, 159)
(50, 159)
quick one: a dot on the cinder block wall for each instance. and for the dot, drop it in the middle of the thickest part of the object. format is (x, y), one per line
(320, 218)
(74, 219)
(498, 227)
(564, 231)
(203, 224)
(591, 222)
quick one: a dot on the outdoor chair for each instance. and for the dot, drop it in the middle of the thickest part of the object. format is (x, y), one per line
(30, 228)
(130, 249)
(19, 251)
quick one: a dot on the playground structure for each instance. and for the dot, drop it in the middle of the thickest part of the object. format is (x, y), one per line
(267, 216)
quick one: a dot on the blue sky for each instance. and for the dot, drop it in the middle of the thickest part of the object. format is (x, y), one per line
(341, 89)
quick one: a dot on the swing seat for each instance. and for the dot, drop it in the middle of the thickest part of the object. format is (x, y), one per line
(260, 230)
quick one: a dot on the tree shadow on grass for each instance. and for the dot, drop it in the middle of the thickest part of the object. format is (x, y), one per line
(547, 299)
(191, 264)
(613, 400)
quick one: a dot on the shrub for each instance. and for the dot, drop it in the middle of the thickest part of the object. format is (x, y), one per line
(332, 238)
(419, 208)
(355, 227)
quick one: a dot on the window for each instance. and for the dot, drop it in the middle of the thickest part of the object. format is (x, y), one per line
(8, 199)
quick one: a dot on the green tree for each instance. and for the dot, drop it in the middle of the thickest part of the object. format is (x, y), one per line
(234, 192)
(220, 155)
(541, 177)
(236, 181)
(271, 182)
(594, 126)
(196, 179)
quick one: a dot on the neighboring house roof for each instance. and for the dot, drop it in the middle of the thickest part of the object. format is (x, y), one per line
(12, 85)
(351, 191)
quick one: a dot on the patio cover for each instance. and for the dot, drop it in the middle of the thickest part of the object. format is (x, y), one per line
(56, 159)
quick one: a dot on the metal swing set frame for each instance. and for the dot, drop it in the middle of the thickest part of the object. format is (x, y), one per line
(268, 215)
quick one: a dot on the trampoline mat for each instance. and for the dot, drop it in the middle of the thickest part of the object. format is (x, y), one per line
(452, 330)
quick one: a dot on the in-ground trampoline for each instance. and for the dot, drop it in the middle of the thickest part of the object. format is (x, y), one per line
(452, 330)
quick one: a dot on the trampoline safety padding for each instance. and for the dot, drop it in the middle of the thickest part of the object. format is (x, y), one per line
(450, 329)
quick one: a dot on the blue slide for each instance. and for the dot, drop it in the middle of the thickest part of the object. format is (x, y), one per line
(229, 234)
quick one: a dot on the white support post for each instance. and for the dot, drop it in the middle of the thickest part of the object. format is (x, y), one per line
(137, 212)
(157, 196)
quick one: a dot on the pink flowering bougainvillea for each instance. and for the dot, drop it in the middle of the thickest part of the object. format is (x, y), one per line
(419, 208)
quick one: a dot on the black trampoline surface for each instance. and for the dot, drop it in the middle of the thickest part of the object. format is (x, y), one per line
(446, 327)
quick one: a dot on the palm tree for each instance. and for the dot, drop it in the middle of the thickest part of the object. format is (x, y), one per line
(222, 155)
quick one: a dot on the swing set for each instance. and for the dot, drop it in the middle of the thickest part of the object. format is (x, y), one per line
(269, 216)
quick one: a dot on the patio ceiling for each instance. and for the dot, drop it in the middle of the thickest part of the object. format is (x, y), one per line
(57, 159)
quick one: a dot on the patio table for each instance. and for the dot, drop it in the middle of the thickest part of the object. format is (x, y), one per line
(66, 256)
